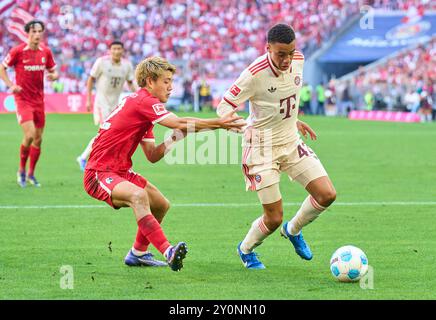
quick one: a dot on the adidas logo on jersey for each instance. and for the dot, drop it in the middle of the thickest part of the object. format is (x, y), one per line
(272, 90)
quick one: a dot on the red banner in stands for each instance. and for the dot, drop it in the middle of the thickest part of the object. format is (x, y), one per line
(54, 103)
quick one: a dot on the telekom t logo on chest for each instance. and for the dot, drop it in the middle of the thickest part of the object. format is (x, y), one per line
(286, 106)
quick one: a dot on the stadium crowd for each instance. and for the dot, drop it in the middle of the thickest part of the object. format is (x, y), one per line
(217, 39)
(404, 82)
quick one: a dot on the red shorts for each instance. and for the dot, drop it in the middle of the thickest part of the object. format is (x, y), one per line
(99, 184)
(28, 112)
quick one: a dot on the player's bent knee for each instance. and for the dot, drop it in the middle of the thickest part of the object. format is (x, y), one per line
(327, 198)
(164, 206)
(138, 197)
(273, 213)
(273, 216)
(28, 139)
(277, 221)
(167, 206)
(274, 221)
(37, 142)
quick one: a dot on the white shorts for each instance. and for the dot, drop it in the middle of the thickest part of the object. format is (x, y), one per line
(262, 166)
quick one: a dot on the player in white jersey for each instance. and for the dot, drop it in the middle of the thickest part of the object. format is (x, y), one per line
(110, 72)
(272, 144)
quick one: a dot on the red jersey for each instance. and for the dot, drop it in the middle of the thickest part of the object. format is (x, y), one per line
(119, 136)
(29, 71)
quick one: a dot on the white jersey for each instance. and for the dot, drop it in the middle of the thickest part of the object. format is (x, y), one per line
(274, 97)
(110, 81)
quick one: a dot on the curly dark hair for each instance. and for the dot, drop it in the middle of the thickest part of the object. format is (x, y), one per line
(281, 33)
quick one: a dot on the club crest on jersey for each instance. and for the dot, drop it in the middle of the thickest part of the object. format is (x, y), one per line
(297, 80)
(43, 60)
(234, 90)
(258, 178)
(159, 108)
(109, 180)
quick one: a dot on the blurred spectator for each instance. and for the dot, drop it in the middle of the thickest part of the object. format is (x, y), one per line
(205, 94)
(412, 101)
(320, 94)
(330, 94)
(433, 111)
(345, 102)
(396, 84)
(425, 107)
(218, 38)
(305, 98)
(369, 101)
(58, 87)
(379, 103)
(187, 98)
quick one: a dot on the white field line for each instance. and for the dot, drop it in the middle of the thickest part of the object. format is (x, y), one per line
(253, 204)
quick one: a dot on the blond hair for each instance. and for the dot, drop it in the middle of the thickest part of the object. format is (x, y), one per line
(152, 67)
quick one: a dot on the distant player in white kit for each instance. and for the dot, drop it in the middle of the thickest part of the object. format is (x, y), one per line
(110, 73)
(273, 145)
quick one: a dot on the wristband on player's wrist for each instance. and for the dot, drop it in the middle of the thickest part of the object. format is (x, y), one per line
(169, 143)
(172, 139)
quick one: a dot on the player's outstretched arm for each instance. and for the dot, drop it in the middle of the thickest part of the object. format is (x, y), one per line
(224, 108)
(241, 91)
(155, 153)
(188, 124)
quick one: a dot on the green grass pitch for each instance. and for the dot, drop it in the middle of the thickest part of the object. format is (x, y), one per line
(389, 166)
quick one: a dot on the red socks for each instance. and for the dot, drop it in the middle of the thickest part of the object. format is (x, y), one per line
(149, 230)
(142, 243)
(31, 152)
(34, 156)
(24, 154)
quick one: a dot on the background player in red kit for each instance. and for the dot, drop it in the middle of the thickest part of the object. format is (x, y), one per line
(109, 176)
(30, 60)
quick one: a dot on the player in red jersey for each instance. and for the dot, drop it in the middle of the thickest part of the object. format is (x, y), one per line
(30, 61)
(109, 176)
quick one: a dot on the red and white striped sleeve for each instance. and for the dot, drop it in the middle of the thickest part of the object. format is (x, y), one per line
(242, 90)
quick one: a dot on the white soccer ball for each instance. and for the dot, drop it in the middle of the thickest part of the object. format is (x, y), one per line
(348, 264)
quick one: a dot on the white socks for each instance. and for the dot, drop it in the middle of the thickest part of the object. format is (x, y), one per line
(137, 252)
(88, 150)
(167, 251)
(309, 211)
(255, 236)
